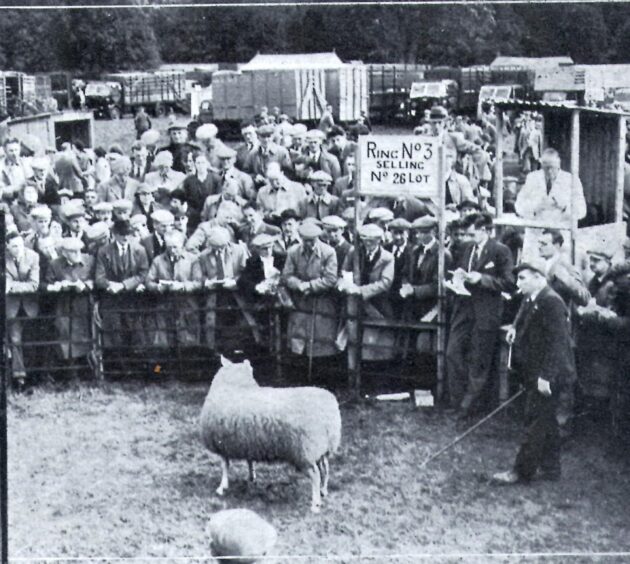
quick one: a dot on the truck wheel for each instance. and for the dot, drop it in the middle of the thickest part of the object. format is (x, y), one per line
(159, 110)
(114, 113)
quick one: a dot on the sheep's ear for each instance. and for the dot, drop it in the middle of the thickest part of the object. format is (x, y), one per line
(225, 361)
(247, 363)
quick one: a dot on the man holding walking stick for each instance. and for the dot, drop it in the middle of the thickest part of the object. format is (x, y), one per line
(543, 358)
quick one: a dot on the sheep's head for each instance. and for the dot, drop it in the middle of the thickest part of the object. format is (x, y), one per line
(234, 374)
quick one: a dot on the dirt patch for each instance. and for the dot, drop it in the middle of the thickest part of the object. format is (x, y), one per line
(119, 471)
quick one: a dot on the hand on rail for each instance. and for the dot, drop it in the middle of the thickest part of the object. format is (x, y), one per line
(406, 290)
(229, 284)
(510, 335)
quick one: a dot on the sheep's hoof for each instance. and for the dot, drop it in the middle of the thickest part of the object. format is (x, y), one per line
(220, 490)
(316, 508)
(324, 492)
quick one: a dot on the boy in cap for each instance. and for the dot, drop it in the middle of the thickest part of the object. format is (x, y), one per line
(71, 271)
(103, 211)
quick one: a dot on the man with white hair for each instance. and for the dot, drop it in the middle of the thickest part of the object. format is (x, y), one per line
(163, 221)
(120, 185)
(172, 272)
(551, 194)
(206, 135)
(41, 217)
(165, 178)
(44, 182)
(229, 197)
(72, 271)
(279, 194)
(21, 209)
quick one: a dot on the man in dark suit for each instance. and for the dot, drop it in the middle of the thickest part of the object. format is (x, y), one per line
(486, 269)
(340, 147)
(153, 244)
(333, 227)
(543, 356)
(254, 225)
(317, 158)
(121, 268)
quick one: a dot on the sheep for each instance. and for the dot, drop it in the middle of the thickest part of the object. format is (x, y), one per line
(241, 420)
(240, 535)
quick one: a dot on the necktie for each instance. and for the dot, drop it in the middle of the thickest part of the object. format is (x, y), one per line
(421, 255)
(549, 183)
(473, 258)
(220, 266)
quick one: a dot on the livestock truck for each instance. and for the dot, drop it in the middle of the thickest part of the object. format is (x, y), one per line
(300, 86)
(117, 94)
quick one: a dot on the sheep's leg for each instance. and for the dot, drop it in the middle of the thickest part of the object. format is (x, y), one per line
(252, 470)
(316, 501)
(225, 466)
(324, 471)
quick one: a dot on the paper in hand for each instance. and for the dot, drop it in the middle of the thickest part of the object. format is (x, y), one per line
(456, 284)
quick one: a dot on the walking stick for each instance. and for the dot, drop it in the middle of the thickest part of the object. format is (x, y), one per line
(471, 429)
(311, 340)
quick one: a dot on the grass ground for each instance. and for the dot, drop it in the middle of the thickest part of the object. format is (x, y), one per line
(118, 470)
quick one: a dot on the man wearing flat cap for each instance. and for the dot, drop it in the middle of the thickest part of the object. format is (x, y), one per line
(121, 269)
(144, 204)
(419, 289)
(264, 153)
(543, 357)
(452, 140)
(163, 221)
(103, 211)
(228, 173)
(218, 270)
(321, 202)
(72, 275)
(73, 215)
(171, 275)
(279, 194)
(376, 275)
(179, 147)
(41, 217)
(45, 182)
(97, 234)
(310, 273)
(121, 209)
(597, 351)
(317, 158)
(22, 207)
(120, 185)
(250, 142)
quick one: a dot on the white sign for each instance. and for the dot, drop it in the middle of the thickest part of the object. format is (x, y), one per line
(398, 165)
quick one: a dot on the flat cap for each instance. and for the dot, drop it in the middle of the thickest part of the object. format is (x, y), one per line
(348, 214)
(31, 142)
(438, 113)
(218, 237)
(315, 135)
(122, 205)
(601, 252)
(206, 131)
(289, 214)
(266, 130)
(400, 224)
(371, 231)
(138, 219)
(335, 131)
(298, 130)
(122, 227)
(334, 221)
(103, 206)
(40, 163)
(70, 210)
(97, 231)
(535, 264)
(263, 240)
(64, 192)
(121, 165)
(163, 158)
(150, 137)
(468, 204)
(424, 222)
(381, 214)
(162, 216)
(145, 188)
(41, 212)
(178, 124)
(225, 152)
(309, 230)
(71, 244)
(320, 176)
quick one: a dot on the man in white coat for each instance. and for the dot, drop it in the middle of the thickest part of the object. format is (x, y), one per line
(546, 197)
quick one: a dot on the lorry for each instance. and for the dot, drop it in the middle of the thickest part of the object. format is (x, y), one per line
(23, 94)
(426, 94)
(299, 86)
(117, 94)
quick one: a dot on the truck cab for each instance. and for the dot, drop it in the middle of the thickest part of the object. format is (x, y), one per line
(104, 98)
(498, 93)
(424, 95)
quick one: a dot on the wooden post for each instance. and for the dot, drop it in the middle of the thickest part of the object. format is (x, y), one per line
(4, 382)
(575, 169)
(353, 302)
(621, 149)
(441, 333)
(498, 167)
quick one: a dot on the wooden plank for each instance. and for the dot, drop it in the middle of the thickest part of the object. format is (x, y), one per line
(441, 333)
(498, 167)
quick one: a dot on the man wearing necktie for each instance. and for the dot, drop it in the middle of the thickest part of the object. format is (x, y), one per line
(400, 247)
(321, 203)
(543, 358)
(476, 319)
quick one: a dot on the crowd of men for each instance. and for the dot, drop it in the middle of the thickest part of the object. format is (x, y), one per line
(271, 221)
